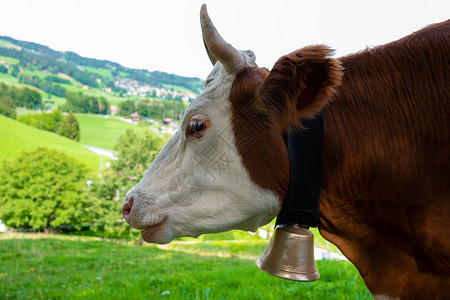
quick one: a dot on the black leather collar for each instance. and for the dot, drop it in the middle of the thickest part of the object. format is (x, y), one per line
(305, 147)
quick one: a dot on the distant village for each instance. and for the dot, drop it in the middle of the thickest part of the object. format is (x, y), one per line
(135, 88)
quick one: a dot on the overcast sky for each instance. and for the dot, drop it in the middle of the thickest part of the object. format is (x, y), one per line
(165, 35)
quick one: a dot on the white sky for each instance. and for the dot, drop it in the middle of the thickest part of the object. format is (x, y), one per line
(166, 36)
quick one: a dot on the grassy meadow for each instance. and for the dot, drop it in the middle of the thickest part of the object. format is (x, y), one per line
(95, 131)
(9, 60)
(41, 266)
(100, 71)
(101, 131)
(17, 137)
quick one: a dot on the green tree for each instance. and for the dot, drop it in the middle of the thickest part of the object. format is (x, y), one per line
(143, 108)
(29, 98)
(103, 106)
(57, 117)
(44, 188)
(70, 127)
(79, 103)
(127, 108)
(7, 107)
(135, 152)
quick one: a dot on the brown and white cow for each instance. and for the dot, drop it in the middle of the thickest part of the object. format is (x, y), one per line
(386, 191)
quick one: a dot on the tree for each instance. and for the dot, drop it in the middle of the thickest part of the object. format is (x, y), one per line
(70, 127)
(135, 152)
(103, 106)
(79, 103)
(21, 96)
(44, 188)
(7, 107)
(127, 108)
(57, 117)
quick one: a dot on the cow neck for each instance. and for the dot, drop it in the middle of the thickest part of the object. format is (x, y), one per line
(305, 147)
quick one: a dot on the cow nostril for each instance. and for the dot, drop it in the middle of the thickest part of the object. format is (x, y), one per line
(126, 208)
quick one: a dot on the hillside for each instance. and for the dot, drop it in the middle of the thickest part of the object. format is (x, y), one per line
(56, 72)
(17, 137)
(103, 131)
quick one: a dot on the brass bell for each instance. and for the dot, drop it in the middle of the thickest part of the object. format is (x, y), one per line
(290, 254)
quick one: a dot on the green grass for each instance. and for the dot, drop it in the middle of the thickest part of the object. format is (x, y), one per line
(6, 78)
(103, 132)
(124, 74)
(77, 87)
(38, 73)
(10, 60)
(177, 88)
(100, 71)
(71, 267)
(17, 137)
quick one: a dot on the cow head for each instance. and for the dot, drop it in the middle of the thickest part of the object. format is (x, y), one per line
(227, 166)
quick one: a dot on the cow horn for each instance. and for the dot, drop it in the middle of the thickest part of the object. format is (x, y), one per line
(216, 47)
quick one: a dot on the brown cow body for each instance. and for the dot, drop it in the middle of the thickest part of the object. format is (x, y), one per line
(386, 196)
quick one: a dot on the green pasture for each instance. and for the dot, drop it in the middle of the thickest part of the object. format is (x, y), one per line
(57, 101)
(177, 88)
(9, 60)
(9, 79)
(41, 266)
(100, 71)
(103, 131)
(17, 137)
(113, 99)
(77, 87)
(124, 74)
(38, 73)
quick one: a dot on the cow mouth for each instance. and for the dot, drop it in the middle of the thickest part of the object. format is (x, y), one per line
(150, 232)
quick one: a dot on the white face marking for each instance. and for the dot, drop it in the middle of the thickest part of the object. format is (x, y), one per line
(198, 184)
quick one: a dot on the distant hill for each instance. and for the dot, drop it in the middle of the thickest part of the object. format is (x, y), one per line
(92, 72)
(17, 137)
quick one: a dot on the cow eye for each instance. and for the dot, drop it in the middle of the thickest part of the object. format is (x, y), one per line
(195, 126)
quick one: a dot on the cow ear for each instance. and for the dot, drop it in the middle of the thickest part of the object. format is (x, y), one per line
(300, 84)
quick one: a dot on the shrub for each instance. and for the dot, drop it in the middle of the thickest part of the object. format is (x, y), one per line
(70, 127)
(7, 107)
(45, 188)
(54, 122)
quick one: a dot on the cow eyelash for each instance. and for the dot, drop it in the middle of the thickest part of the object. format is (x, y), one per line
(196, 126)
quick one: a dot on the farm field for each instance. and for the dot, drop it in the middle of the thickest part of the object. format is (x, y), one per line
(72, 267)
(77, 87)
(6, 78)
(17, 137)
(10, 60)
(101, 131)
(100, 71)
